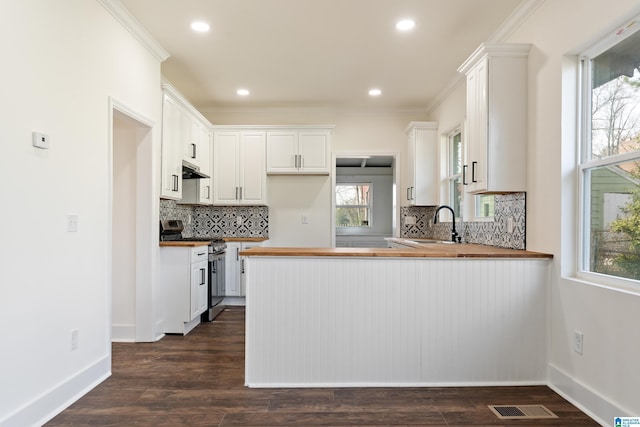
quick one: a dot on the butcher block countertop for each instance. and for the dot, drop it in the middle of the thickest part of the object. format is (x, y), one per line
(438, 250)
(183, 243)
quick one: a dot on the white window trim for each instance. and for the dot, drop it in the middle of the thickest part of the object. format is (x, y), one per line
(368, 206)
(585, 163)
(447, 176)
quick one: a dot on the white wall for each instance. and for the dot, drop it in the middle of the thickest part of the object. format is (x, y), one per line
(355, 132)
(604, 380)
(61, 63)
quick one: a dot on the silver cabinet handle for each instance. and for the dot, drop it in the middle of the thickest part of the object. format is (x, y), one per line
(193, 150)
(203, 276)
(240, 193)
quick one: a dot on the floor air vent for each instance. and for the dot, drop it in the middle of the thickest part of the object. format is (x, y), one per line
(521, 412)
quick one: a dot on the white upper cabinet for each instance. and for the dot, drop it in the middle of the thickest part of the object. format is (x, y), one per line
(200, 191)
(299, 151)
(422, 164)
(239, 176)
(186, 136)
(171, 179)
(496, 118)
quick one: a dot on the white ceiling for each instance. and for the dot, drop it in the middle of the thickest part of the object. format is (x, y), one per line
(317, 53)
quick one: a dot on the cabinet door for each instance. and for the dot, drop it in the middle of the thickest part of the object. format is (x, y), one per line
(313, 148)
(232, 273)
(477, 112)
(198, 295)
(410, 190)
(425, 167)
(245, 245)
(171, 181)
(226, 151)
(205, 188)
(282, 151)
(189, 137)
(253, 178)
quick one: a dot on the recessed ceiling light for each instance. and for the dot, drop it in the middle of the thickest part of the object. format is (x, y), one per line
(405, 24)
(375, 92)
(199, 26)
(243, 92)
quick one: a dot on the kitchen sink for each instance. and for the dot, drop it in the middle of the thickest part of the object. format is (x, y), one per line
(429, 241)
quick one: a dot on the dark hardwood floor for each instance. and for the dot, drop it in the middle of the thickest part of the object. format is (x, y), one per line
(197, 380)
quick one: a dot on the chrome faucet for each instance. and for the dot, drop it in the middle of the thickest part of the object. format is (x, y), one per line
(454, 234)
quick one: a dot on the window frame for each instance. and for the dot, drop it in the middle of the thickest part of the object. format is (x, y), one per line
(586, 163)
(451, 177)
(368, 206)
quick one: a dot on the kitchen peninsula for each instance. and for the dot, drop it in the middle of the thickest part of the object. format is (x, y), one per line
(439, 314)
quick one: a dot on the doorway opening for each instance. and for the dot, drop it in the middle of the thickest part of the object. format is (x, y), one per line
(132, 265)
(364, 199)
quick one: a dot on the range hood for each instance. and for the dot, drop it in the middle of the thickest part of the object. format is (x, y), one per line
(190, 171)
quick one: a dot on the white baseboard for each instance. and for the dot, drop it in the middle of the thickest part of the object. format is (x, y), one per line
(584, 398)
(53, 401)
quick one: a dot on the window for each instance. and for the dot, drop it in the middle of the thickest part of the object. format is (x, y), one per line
(454, 170)
(610, 158)
(353, 205)
(484, 205)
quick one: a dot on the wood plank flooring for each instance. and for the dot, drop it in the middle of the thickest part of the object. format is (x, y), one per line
(198, 380)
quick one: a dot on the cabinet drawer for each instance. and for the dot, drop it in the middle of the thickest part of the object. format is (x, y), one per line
(199, 253)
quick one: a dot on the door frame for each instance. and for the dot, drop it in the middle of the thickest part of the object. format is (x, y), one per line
(146, 221)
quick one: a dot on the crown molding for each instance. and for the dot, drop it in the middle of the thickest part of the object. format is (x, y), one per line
(131, 24)
(508, 26)
(517, 17)
(312, 110)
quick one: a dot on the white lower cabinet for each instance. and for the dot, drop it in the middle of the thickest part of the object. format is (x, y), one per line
(183, 285)
(234, 280)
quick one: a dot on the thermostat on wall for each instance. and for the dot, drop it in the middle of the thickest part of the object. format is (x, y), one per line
(40, 140)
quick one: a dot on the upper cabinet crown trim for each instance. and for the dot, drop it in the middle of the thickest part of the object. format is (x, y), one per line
(421, 125)
(131, 24)
(184, 102)
(494, 49)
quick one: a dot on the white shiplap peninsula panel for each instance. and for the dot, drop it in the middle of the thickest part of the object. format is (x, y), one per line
(322, 321)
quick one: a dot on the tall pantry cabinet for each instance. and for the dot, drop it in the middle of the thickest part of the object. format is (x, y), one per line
(496, 131)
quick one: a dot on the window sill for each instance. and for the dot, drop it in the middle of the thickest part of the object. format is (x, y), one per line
(616, 284)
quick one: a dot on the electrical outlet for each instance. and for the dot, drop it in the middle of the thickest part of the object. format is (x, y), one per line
(238, 220)
(72, 222)
(40, 140)
(409, 220)
(510, 225)
(578, 341)
(75, 337)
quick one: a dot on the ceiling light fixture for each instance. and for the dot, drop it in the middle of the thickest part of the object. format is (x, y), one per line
(200, 27)
(375, 92)
(405, 24)
(242, 92)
